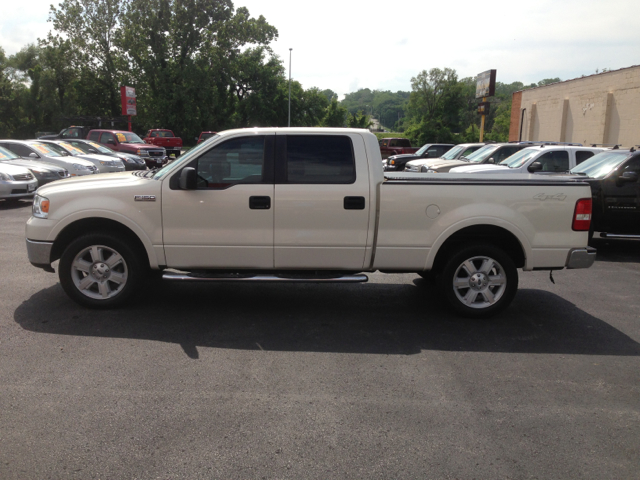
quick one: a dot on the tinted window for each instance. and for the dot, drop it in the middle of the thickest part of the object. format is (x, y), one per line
(393, 143)
(320, 159)
(237, 161)
(403, 142)
(95, 136)
(504, 152)
(582, 155)
(557, 161)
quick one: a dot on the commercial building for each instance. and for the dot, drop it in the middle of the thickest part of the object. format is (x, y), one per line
(601, 109)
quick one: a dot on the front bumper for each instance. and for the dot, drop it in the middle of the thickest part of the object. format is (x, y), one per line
(40, 254)
(18, 188)
(581, 257)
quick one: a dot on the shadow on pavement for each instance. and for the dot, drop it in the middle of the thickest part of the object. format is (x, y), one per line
(610, 250)
(15, 204)
(371, 318)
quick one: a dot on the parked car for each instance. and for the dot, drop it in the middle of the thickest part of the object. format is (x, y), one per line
(491, 153)
(455, 153)
(162, 137)
(542, 159)
(395, 146)
(105, 163)
(71, 132)
(614, 178)
(36, 150)
(130, 161)
(129, 142)
(304, 204)
(44, 172)
(429, 150)
(16, 182)
(205, 136)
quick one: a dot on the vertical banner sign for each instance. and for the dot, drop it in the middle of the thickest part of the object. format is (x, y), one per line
(128, 96)
(128, 99)
(485, 87)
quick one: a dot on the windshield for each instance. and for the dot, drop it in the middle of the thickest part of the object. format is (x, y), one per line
(128, 137)
(71, 149)
(88, 146)
(453, 153)
(205, 136)
(48, 149)
(184, 158)
(7, 154)
(482, 154)
(518, 159)
(600, 165)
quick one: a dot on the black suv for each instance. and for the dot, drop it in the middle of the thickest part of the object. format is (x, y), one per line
(396, 163)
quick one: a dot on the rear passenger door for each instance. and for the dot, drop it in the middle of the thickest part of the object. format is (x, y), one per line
(322, 202)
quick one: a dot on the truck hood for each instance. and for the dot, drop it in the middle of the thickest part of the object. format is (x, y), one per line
(99, 181)
(482, 168)
(403, 156)
(439, 163)
(35, 165)
(141, 146)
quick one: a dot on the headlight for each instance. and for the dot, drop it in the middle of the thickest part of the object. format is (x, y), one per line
(126, 159)
(5, 177)
(426, 169)
(77, 166)
(40, 207)
(391, 162)
(142, 153)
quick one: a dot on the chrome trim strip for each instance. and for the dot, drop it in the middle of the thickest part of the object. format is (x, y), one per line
(263, 278)
(581, 257)
(621, 236)
(39, 252)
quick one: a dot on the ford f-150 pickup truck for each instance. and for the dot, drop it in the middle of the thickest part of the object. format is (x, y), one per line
(166, 139)
(306, 204)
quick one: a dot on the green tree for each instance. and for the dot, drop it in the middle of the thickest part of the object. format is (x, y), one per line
(358, 120)
(335, 115)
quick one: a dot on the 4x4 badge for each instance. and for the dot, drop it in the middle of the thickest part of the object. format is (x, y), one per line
(144, 198)
(544, 196)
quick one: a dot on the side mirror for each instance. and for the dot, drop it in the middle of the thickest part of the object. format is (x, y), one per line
(33, 155)
(535, 167)
(195, 138)
(93, 150)
(628, 177)
(491, 160)
(112, 142)
(188, 179)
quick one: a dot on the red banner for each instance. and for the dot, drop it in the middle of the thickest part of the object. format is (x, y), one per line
(128, 97)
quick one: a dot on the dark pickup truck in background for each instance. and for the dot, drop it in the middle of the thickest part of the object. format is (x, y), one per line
(614, 178)
(429, 150)
(71, 132)
(164, 138)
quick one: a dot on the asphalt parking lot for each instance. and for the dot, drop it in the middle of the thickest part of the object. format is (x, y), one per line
(374, 380)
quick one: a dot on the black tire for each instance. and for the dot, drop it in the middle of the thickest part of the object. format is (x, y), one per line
(100, 270)
(479, 281)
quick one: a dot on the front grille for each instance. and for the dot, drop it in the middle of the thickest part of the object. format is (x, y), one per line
(156, 153)
(18, 191)
(22, 177)
(64, 173)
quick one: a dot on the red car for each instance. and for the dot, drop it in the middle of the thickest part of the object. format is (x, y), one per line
(395, 146)
(166, 139)
(129, 142)
(205, 135)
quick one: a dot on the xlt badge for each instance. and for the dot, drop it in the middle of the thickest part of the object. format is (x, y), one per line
(144, 198)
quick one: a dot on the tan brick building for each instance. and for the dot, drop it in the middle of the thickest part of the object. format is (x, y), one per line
(599, 109)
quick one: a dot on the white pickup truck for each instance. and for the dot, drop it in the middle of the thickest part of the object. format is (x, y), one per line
(305, 204)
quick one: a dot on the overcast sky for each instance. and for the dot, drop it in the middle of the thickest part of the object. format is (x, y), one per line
(347, 45)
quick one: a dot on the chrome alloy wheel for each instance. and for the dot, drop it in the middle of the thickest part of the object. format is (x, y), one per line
(99, 272)
(479, 282)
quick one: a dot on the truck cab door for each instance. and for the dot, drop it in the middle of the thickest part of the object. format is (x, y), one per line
(322, 202)
(227, 220)
(622, 198)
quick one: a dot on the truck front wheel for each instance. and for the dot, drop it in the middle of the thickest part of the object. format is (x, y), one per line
(479, 281)
(98, 270)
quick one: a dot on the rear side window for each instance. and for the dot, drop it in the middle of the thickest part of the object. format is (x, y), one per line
(403, 142)
(320, 159)
(95, 136)
(582, 155)
(18, 149)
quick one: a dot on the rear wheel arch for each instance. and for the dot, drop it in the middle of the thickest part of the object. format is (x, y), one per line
(480, 234)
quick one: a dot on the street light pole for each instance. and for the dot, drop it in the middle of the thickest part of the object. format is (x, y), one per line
(289, 123)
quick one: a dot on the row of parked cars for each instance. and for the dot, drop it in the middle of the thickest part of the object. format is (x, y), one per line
(612, 173)
(26, 165)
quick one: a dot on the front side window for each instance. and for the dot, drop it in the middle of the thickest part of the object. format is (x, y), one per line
(582, 155)
(108, 138)
(451, 153)
(6, 154)
(237, 161)
(47, 150)
(95, 136)
(320, 159)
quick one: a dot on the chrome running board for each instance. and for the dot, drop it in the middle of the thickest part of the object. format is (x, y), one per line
(261, 277)
(620, 236)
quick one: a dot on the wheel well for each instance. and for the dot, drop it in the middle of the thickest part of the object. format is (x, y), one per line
(491, 234)
(89, 225)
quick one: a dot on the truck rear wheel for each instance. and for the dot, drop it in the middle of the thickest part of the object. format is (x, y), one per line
(98, 270)
(479, 281)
